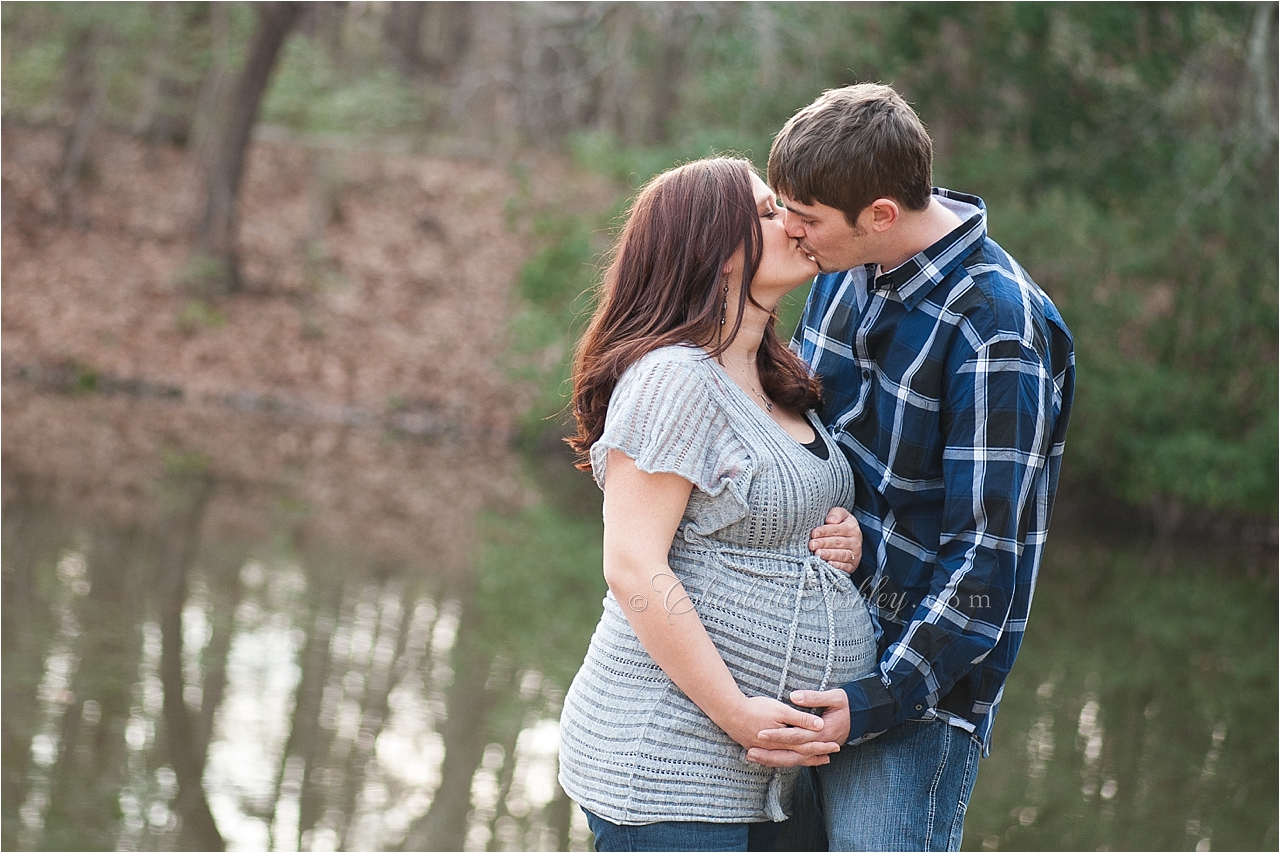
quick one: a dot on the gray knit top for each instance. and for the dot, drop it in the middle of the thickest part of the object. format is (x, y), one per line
(633, 748)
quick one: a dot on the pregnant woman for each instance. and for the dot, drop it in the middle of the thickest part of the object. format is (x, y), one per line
(697, 423)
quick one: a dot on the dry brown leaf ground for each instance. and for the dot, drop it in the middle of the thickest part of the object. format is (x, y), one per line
(363, 382)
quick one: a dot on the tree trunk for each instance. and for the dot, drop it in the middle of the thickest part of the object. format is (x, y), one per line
(304, 741)
(209, 103)
(153, 83)
(334, 19)
(444, 39)
(215, 265)
(673, 31)
(86, 92)
(187, 751)
(615, 112)
(466, 732)
(402, 27)
(485, 100)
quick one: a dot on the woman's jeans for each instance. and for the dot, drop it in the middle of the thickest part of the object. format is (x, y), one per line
(904, 790)
(682, 835)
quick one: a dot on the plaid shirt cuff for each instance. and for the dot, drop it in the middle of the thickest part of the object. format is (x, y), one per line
(872, 708)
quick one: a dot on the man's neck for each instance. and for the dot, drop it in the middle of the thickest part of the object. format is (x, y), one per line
(916, 231)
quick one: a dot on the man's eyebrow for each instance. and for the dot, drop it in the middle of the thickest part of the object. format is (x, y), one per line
(797, 209)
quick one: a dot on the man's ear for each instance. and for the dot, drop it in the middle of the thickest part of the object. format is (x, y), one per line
(881, 214)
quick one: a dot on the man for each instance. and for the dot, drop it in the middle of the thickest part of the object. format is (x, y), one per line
(948, 377)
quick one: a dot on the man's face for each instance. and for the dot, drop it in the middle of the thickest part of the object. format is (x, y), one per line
(826, 235)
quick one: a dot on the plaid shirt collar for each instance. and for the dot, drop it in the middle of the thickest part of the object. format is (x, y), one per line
(916, 278)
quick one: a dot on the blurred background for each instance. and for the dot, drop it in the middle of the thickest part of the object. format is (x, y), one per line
(293, 556)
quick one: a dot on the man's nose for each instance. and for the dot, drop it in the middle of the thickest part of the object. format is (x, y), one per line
(791, 224)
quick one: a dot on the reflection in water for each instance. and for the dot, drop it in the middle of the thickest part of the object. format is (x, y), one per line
(1141, 713)
(240, 653)
(212, 646)
(276, 706)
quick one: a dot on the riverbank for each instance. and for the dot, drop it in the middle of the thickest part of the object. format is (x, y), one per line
(381, 290)
(361, 378)
(374, 281)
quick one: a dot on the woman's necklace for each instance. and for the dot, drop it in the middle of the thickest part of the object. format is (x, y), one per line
(768, 405)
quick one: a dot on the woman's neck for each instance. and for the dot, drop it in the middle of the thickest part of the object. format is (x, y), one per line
(742, 351)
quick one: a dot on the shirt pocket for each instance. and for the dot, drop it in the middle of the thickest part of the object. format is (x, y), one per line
(860, 378)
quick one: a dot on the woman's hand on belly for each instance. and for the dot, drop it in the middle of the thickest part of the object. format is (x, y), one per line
(792, 746)
(641, 514)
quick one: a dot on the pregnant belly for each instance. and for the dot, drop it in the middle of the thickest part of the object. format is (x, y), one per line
(781, 623)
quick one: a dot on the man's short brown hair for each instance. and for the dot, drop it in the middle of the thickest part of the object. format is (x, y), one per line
(852, 146)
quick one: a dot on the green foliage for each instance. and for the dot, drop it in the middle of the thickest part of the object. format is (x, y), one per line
(122, 43)
(30, 74)
(540, 588)
(765, 60)
(198, 314)
(203, 275)
(309, 94)
(1127, 153)
(633, 165)
(1140, 192)
(558, 286)
(86, 379)
(181, 464)
(557, 275)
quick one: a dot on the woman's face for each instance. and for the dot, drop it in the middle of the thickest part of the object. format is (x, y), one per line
(784, 266)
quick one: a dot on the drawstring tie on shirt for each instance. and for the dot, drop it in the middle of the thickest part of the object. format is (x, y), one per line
(830, 580)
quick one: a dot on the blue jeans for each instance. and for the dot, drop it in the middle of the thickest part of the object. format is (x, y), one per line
(904, 790)
(682, 835)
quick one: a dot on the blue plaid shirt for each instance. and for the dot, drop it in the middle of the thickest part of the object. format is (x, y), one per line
(948, 383)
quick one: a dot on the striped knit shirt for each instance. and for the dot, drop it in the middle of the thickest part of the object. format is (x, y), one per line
(634, 749)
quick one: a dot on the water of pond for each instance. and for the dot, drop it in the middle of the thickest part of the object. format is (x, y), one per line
(223, 629)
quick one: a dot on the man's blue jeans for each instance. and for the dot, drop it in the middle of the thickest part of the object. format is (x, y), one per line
(682, 835)
(904, 790)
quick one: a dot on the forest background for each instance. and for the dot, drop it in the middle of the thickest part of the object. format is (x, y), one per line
(1127, 153)
(385, 221)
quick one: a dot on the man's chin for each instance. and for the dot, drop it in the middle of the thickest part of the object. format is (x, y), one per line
(827, 268)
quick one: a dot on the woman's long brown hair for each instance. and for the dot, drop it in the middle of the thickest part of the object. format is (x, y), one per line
(664, 286)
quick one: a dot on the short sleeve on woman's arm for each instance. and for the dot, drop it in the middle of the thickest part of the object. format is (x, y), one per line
(664, 416)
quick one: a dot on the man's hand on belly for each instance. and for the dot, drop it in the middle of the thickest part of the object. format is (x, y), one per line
(752, 715)
(797, 746)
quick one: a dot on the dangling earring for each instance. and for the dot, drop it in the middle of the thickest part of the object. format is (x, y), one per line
(724, 306)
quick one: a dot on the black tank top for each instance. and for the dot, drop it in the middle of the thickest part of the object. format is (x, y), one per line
(817, 447)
